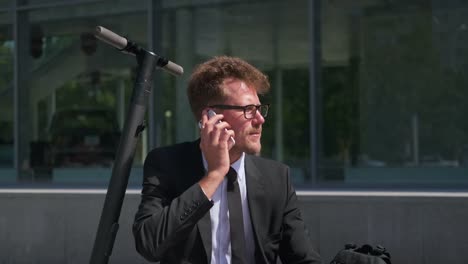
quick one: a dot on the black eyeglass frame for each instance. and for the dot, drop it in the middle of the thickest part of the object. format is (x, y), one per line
(244, 108)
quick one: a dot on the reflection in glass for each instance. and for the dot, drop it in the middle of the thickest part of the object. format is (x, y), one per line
(6, 98)
(79, 89)
(394, 91)
(6, 3)
(271, 35)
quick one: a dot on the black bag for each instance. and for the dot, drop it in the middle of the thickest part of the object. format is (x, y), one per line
(362, 255)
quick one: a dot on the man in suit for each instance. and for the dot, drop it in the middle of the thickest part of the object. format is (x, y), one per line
(215, 200)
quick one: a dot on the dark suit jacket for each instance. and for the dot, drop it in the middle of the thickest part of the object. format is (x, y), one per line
(173, 223)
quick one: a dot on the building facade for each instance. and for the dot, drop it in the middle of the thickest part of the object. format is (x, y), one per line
(368, 104)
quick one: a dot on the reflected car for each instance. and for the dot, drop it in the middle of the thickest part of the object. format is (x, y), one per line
(84, 137)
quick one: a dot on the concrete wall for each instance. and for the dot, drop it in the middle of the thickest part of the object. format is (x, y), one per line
(58, 226)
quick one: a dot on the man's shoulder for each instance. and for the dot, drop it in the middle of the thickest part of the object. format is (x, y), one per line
(272, 173)
(177, 150)
(265, 162)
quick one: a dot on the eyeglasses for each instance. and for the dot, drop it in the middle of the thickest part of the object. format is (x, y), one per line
(249, 110)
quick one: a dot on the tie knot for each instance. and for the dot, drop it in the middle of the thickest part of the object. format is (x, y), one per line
(232, 177)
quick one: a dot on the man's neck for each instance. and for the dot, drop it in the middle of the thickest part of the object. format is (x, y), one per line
(234, 156)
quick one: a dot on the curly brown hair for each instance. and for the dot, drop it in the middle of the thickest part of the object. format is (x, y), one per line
(204, 87)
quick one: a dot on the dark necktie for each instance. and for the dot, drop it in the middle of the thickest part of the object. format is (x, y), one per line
(236, 221)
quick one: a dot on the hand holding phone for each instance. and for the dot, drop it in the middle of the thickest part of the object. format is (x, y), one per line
(212, 113)
(216, 153)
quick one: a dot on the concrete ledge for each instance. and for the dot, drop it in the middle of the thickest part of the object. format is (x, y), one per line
(59, 225)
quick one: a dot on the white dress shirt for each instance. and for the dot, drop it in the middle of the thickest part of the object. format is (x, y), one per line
(219, 215)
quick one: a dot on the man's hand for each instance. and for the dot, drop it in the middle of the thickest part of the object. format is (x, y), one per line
(215, 144)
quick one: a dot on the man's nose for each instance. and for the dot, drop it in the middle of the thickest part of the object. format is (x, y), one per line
(258, 118)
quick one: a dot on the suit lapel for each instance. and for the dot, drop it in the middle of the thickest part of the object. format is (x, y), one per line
(255, 188)
(256, 200)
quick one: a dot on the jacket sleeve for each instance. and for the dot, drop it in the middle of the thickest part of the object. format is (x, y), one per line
(295, 245)
(165, 218)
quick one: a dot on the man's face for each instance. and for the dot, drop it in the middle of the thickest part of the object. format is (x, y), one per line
(247, 131)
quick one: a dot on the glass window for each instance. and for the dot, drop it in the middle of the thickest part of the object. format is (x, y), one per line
(6, 3)
(7, 173)
(78, 91)
(271, 35)
(38, 3)
(393, 79)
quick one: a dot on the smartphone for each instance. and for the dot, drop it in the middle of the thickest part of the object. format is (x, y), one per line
(212, 113)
